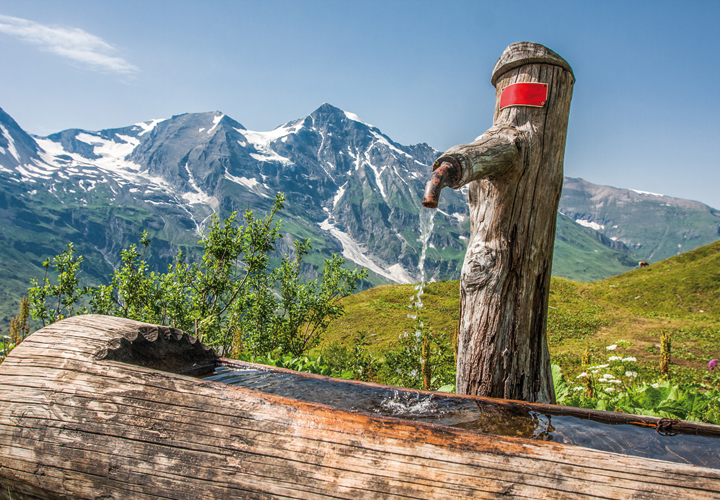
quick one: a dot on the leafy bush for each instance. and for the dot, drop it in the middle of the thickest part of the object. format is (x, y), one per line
(356, 361)
(228, 298)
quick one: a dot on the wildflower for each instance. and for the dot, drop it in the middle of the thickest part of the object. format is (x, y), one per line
(656, 385)
(631, 374)
(594, 372)
(578, 388)
(615, 358)
(608, 376)
(629, 358)
(712, 364)
(602, 366)
(609, 389)
(611, 347)
(616, 381)
(583, 374)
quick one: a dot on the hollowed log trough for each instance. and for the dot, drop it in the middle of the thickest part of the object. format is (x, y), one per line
(99, 407)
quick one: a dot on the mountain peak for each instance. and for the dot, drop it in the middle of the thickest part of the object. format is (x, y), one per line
(15, 144)
(327, 113)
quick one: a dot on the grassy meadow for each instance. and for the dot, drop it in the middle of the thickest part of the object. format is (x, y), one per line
(680, 295)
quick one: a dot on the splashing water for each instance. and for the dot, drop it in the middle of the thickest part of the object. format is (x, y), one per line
(406, 404)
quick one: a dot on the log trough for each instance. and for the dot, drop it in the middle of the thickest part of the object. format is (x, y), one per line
(107, 408)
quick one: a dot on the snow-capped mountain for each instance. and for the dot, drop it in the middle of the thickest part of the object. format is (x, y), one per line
(349, 187)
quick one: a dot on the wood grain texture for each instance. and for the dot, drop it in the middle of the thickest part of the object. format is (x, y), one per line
(514, 173)
(73, 425)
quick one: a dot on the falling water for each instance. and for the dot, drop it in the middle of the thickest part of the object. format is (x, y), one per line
(416, 304)
(426, 226)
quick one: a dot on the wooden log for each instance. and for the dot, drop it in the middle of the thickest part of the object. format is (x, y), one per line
(514, 173)
(76, 424)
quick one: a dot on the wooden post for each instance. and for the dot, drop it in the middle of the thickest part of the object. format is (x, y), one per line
(514, 173)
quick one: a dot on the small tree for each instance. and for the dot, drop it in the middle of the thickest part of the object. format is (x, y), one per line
(228, 298)
(65, 294)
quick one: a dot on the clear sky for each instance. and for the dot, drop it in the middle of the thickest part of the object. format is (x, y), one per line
(645, 114)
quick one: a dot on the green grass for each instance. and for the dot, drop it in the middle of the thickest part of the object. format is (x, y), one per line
(680, 295)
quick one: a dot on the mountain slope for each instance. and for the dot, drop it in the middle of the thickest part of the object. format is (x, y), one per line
(652, 225)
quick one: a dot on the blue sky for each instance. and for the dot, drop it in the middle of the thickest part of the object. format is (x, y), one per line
(644, 114)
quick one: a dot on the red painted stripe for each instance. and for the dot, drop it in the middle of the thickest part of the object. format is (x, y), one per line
(524, 94)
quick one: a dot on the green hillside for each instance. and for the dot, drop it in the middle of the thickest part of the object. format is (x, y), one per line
(680, 295)
(583, 254)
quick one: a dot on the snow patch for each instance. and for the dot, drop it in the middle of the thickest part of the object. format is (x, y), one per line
(148, 126)
(261, 141)
(216, 120)
(11, 143)
(251, 184)
(647, 192)
(199, 196)
(339, 194)
(592, 225)
(112, 153)
(377, 173)
(382, 140)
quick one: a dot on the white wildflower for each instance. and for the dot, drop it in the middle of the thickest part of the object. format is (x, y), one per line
(656, 385)
(615, 358)
(611, 347)
(609, 389)
(629, 358)
(595, 372)
(608, 376)
(578, 388)
(602, 366)
(583, 374)
(616, 381)
(631, 374)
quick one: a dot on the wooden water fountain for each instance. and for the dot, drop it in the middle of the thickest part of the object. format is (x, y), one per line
(96, 407)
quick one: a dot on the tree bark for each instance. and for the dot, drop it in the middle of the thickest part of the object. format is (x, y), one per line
(514, 173)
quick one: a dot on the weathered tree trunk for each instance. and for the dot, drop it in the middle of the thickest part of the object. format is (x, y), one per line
(514, 173)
